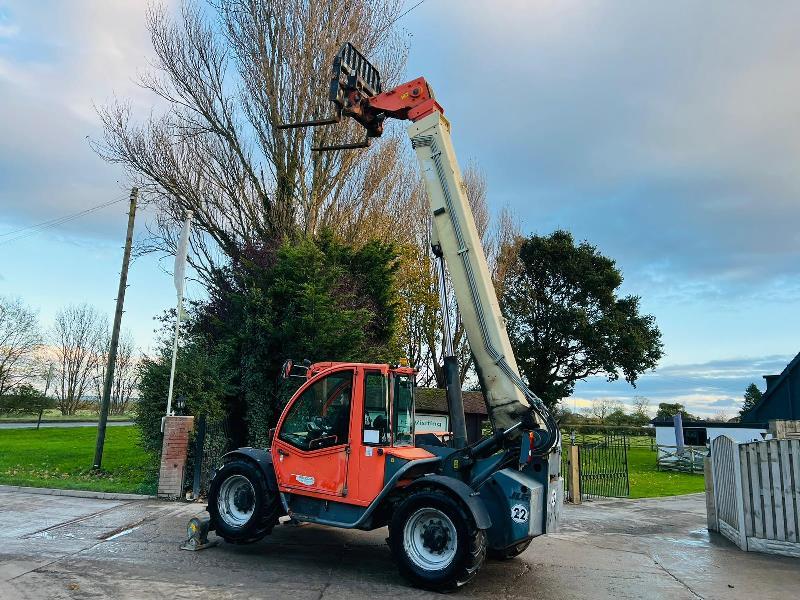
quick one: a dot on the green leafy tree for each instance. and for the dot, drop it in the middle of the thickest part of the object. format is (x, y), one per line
(667, 410)
(24, 399)
(637, 419)
(618, 416)
(202, 375)
(319, 299)
(752, 396)
(567, 321)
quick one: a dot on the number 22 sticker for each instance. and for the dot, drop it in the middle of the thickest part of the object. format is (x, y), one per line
(519, 514)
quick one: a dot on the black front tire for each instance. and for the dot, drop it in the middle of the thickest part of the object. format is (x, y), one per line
(264, 503)
(470, 551)
(510, 552)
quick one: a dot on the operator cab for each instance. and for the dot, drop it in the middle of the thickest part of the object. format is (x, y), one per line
(319, 416)
(346, 426)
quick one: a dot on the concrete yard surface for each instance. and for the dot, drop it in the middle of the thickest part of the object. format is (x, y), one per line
(65, 547)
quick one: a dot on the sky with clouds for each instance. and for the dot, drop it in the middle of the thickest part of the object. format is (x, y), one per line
(666, 133)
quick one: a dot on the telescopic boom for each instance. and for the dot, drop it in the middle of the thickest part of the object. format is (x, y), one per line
(356, 92)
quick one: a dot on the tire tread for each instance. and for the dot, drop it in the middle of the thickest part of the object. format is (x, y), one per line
(268, 517)
(470, 561)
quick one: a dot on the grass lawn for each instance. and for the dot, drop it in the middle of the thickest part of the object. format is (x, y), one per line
(647, 481)
(62, 458)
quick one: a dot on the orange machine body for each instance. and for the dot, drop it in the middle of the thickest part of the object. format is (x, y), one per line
(352, 470)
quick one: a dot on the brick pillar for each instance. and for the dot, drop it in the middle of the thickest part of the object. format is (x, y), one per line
(173, 456)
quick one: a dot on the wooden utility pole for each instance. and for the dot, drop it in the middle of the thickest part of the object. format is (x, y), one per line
(112, 350)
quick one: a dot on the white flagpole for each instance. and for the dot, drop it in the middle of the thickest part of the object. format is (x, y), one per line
(180, 276)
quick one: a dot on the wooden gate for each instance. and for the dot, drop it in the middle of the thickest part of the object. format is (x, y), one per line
(756, 490)
(727, 476)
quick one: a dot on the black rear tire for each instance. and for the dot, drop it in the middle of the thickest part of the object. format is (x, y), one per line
(470, 542)
(264, 504)
(511, 552)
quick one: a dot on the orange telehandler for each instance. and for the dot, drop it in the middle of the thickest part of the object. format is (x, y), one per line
(344, 452)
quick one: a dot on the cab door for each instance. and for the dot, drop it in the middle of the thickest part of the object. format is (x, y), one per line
(374, 435)
(311, 448)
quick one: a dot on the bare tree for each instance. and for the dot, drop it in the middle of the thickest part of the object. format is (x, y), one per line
(77, 337)
(226, 77)
(641, 406)
(505, 244)
(601, 408)
(420, 295)
(19, 339)
(721, 416)
(126, 375)
(417, 292)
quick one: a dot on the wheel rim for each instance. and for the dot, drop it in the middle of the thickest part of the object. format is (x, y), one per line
(430, 539)
(236, 501)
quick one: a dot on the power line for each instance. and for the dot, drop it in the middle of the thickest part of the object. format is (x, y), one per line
(44, 225)
(408, 11)
(77, 214)
(400, 16)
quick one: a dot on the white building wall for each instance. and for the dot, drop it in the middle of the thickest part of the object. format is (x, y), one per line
(665, 436)
(737, 434)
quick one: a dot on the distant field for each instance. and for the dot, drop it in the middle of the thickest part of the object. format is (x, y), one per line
(55, 415)
(62, 458)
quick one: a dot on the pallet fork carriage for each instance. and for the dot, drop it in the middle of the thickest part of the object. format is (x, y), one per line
(344, 452)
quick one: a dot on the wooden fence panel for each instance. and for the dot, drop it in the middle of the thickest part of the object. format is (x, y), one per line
(766, 491)
(755, 491)
(776, 489)
(770, 485)
(747, 490)
(788, 489)
(794, 448)
(727, 489)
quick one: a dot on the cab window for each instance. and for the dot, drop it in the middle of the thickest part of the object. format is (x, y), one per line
(403, 410)
(320, 417)
(376, 410)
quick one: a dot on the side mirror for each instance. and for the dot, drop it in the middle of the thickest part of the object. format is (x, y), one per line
(271, 436)
(286, 369)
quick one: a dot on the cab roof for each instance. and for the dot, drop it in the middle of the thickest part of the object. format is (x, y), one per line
(319, 367)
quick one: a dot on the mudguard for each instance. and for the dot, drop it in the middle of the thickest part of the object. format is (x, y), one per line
(462, 491)
(262, 458)
(516, 501)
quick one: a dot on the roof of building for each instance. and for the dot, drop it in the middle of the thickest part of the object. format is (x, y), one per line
(774, 384)
(435, 400)
(707, 424)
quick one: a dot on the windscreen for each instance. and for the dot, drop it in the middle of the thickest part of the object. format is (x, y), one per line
(403, 410)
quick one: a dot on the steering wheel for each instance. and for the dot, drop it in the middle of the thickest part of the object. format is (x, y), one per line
(318, 425)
